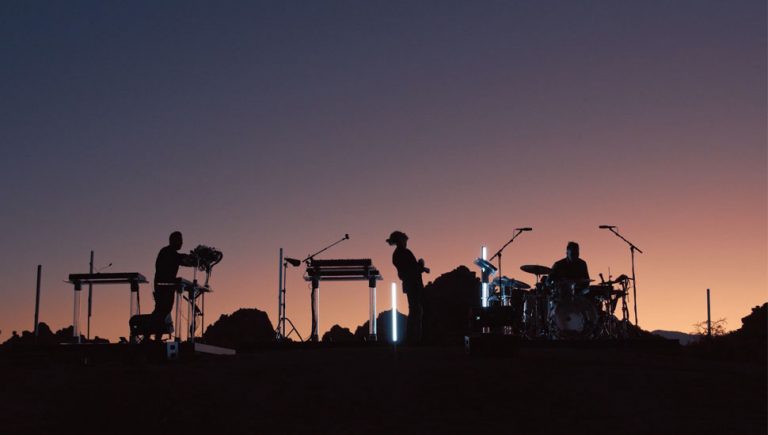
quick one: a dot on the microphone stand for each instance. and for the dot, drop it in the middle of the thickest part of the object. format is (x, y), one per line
(283, 284)
(498, 253)
(632, 249)
(308, 261)
(312, 257)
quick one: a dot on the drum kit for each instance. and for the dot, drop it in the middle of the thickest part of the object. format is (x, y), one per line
(562, 309)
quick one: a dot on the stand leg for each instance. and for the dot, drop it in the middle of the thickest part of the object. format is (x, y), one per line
(191, 318)
(90, 300)
(293, 329)
(315, 312)
(624, 313)
(634, 285)
(280, 334)
(76, 317)
(176, 333)
(372, 314)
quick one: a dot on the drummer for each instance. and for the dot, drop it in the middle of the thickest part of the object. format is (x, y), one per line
(571, 268)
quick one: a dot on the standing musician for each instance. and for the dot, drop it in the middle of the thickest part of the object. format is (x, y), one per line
(571, 268)
(166, 283)
(409, 271)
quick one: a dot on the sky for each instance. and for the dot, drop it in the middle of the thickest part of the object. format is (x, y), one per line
(255, 126)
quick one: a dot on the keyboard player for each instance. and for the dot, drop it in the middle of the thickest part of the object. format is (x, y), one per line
(166, 282)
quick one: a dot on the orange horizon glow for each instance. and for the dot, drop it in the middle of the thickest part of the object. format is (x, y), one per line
(260, 127)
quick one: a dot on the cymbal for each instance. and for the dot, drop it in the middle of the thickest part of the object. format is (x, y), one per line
(485, 264)
(510, 282)
(536, 269)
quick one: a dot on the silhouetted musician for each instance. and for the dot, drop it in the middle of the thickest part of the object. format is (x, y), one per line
(166, 282)
(571, 268)
(409, 271)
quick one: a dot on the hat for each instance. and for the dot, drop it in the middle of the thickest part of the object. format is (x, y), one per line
(395, 236)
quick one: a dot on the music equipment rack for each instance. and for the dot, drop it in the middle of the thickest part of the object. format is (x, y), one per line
(78, 279)
(360, 269)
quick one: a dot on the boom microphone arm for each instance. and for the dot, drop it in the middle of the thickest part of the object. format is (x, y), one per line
(311, 257)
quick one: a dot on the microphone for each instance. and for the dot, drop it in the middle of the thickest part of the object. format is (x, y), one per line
(524, 229)
(346, 236)
(293, 262)
(603, 227)
(601, 277)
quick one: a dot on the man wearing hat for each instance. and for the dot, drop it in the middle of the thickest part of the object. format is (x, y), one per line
(409, 271)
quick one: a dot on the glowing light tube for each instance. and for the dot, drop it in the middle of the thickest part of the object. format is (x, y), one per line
(394, 312)
(484, 296)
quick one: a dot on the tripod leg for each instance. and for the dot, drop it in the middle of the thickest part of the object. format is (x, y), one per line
(293, 329)
(313, 335)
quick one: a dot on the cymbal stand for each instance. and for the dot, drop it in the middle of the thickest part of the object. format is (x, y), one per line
(624, 309)
(632, 249)
(504, 293)
(538, 324)
(498, 253)
(605, 318)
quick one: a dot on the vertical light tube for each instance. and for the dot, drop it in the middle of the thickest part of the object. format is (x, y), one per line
(394, 312)
(484, 296)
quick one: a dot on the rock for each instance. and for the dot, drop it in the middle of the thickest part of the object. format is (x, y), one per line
(755, 325)
(337, 334)
(447, 304)
(244, 328)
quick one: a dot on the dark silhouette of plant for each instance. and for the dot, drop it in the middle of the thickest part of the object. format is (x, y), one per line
(718, 328)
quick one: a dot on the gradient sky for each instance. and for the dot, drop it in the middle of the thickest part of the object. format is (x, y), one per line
(251, 126)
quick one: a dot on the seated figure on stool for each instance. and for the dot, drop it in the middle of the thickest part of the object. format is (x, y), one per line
(572, 268)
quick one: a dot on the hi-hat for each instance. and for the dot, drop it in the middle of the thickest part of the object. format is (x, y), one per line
(485, 264)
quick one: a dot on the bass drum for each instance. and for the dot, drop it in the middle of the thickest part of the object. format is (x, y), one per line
(572, 317)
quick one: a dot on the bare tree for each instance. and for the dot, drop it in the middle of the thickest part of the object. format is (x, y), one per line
(718, 328)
